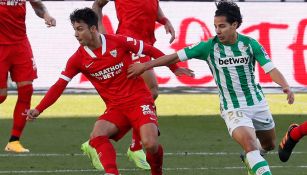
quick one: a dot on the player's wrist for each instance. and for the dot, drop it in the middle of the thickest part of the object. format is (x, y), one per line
(163, 20)
(286, 89)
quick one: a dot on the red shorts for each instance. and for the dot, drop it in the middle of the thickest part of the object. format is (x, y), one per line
(18, 60)
(133, 117)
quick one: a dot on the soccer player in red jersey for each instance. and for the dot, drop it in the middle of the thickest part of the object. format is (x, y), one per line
(16, 58)
(104, 60)
(292, 137)
(137, 19)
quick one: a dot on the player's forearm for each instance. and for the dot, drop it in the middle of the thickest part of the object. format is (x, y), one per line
(161, 18)
(52, 95)
(162, 61)
(39, 8)
(97, 8)
(278, 78)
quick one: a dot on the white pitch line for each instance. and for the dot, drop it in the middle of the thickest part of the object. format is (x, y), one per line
(122, 154)
(135, 170)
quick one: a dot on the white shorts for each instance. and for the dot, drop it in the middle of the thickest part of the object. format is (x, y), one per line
(257, 116)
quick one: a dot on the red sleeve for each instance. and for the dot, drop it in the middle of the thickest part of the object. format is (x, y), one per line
(139, 47)
(71, 69)
(52, 95)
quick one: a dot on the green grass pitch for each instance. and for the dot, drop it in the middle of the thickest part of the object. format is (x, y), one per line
(194, 137)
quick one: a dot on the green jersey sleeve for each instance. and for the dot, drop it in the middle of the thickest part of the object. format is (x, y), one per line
(199, 51)
(261, 56)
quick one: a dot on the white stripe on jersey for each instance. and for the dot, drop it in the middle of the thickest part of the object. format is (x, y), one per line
(214, 73)
(65, 78)
(222, 77)
(248, 73)
(104, 44)
(235, 79)
(90, 52)
(141, 48)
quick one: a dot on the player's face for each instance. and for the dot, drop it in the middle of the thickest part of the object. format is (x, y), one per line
(225, 31)
(83, 33)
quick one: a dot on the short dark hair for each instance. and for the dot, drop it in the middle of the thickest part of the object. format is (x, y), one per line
(230, 10)
(87, 15)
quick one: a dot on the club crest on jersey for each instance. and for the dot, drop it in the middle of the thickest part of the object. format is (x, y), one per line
(113, 53)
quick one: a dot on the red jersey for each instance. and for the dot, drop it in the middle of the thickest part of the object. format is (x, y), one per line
(137, 19)
(106, 68)
(12, 21)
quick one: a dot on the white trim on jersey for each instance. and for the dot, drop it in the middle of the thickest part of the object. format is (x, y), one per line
(141, 48)
(182, 55)
(104, 44)
(268, 67)
(65, 78)
(90, 52)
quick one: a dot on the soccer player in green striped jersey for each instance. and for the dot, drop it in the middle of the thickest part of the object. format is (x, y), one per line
(231, 58)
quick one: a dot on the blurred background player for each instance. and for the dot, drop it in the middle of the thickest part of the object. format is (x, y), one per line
(231, 57)
(291, 138)
(16, 58)
(104, 59)
(137, 19)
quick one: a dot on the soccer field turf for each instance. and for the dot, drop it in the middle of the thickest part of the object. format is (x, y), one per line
(194, 144)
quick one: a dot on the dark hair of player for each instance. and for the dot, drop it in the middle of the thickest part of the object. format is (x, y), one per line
(230, 10)
(86, 15)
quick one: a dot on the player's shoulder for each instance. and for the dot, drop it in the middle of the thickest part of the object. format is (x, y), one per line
(246, 39)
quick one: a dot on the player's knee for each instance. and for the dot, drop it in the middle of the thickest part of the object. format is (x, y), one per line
(2, 98)
(150, 145)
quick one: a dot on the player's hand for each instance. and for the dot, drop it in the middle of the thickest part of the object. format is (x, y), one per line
(135, 70)
(32, 114)
(49, 20)
(290, 95)
(184, 71)
(169, 29)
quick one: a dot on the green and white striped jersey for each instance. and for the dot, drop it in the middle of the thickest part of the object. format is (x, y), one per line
(233, 68)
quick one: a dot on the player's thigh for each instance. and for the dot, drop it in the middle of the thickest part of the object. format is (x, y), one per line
(246, 137)
(149, 136)
(4, 65)
(117, 122)
(23, 66)
(3, 92)
(104, 128)
(23, 83)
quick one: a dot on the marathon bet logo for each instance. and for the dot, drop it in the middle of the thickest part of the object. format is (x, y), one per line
(233, 61)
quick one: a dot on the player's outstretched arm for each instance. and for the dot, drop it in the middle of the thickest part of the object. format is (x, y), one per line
(278, 78)
(139, 68)
(41, 11)
(50, 98)
(169, 29)
(97, 7)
